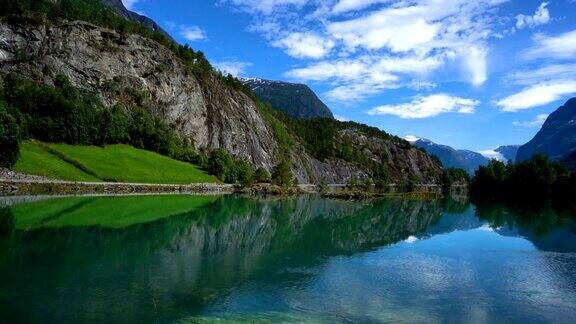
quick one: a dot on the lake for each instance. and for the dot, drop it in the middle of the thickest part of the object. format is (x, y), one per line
(305, 259)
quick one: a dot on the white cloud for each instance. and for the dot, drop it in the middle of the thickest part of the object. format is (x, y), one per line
(129, 4)
(266, 6)
(476, 62)
(562, 46)
(548, 73)
(192, 33)
(362, 41)
(341, 118)
(430, 106)
(366, 75)
(537, 122)
(399, 29)
(234, 67)
(540, 17)
(305, 45)
(537, 95)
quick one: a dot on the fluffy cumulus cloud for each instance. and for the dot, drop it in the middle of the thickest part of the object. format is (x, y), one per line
(234, 67)
(562, 46)
(368, 46)
(537, 122)
(537, 95)
(429, 106)
(305, 45)
(192, 33)
(365, 75)
(540, 17)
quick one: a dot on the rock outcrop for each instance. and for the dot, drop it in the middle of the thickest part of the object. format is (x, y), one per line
(128, 69)
(133, 70)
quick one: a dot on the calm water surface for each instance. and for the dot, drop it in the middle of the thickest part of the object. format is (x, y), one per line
(306, 259)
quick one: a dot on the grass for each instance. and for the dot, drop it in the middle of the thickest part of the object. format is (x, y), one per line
(107, 212)
(113, 163)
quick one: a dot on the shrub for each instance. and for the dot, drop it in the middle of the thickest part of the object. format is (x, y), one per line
(244, 173)
(9, 136)
(282, 174)
(262, 176)
(323, 186)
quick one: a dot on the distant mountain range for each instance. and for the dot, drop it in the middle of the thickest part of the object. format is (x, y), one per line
(557, 138)
(452, 158)
(465, 159)
(296, 100)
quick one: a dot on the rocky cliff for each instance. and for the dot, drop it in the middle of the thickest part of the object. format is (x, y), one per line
(133, 70)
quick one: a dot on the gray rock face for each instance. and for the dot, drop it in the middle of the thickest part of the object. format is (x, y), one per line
(402, 163)
(132, 70)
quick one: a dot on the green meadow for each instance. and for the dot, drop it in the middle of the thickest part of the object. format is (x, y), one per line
(113, 163)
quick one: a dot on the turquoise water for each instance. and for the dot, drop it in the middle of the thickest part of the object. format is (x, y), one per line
(302, 259)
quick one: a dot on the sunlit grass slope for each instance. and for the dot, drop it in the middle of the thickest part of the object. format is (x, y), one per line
(116, 163)
(108, 212)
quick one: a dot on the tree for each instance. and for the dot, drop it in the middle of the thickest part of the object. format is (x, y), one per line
(244, 173)
(452, 176)
(282, 174)
(9, 137)
(323, 186)
(261, 176)
(221, 165)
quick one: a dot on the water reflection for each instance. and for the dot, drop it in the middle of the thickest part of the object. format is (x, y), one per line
(286, 259)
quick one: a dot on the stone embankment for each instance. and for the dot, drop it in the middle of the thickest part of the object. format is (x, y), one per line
(39, 187)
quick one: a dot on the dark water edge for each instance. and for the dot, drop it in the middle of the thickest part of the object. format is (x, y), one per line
(295, 259)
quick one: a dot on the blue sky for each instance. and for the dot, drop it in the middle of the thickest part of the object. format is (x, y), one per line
(470, 74)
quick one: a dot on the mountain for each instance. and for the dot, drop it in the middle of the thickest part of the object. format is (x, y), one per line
(178, 87)
(296, 100)
(508, 152)
(121, 10)
(452, 158)
(557, 137)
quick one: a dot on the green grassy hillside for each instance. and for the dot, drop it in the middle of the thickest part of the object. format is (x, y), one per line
(114, 163)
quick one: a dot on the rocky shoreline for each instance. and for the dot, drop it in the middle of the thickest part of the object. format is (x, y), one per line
(42, 187)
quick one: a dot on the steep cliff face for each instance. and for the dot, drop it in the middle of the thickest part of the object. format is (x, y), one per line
(133, 70)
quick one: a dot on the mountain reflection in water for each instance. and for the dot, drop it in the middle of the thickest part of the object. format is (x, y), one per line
(288, 259)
